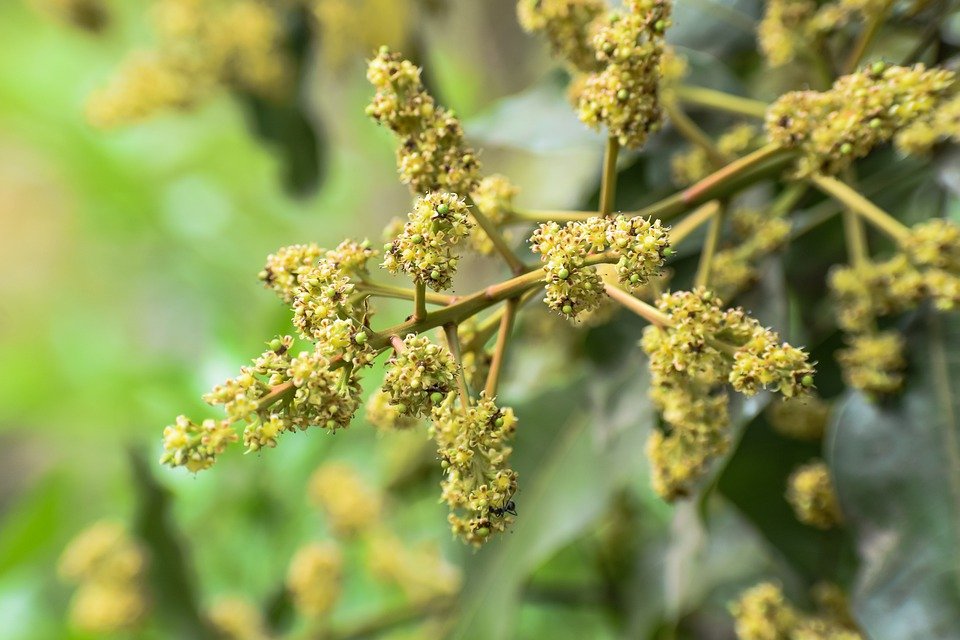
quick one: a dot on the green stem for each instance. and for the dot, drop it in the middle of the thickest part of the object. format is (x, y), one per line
(453, 343)
(866, 37)
(787, 200)
(702, 279)
(738, 174)
(819, 63)
(280, 392)
(499, 351)
(528, 215)
(646, 311)
(499, 242)
(375, 626)
(400, 293)
(849, 197)
(692, 222)
(817, 215)
(608, 182)
(713, 99)
(694, 134)
(489, 325)
(474, 303)
(420, 301)
(855, 237)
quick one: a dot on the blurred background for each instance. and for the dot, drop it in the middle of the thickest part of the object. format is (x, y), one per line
(129, 258)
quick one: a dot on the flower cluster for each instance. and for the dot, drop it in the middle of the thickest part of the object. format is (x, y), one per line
(494, 199)
(419, 376)
(763, 613)
(432, 155)
(801, 418)
(315, 578)
(202, 45)
(278, 393)
(353, 28)
(479, 484)
(421, 572)
(109, 568)
(350, 506)
(383, 414)
(568, 26)
(833, 128)
(935, 244)
(475, 360)
(874, 362)
(788, 26)
(285, 266)
(735, 269)
(811, 494)
(692, 165)
(424, 250)
(323, 312)
(237, 618)
(927, 269)
(625, 95)
(942, 125)
(704, 347)
(574, 287)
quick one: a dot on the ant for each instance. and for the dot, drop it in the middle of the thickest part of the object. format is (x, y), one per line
(510, 508)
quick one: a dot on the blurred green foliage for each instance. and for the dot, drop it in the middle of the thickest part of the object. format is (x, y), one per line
(129, 262)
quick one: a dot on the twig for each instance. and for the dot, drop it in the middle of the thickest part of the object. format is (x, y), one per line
(646, 311)
(713, 99)
(453, 343)
(692, 222)
(866, 37)
(702, 279)
(400, 293)
(608, 182)
(420, 301)
(694, 134)
(499, 351)
(849, 197)
(531, 215)
(499, 242)
(379, 624)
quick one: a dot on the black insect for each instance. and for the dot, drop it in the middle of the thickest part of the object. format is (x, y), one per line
(510, 508)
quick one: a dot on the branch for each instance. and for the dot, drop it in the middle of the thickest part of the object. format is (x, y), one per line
(475, 302)
(420, 301)
(379, 624)
(529, 215)
(499, 351)
(694, 134)
(400, 293)
(608, 182)
(499, 242)
(849, 197)
(692, 222)
(710, 248)
(738, 174)
(646, 311)
(453, 343)
(713, 99)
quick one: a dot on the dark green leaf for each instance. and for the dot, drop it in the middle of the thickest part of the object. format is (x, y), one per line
(570, 463)
(896, 466)
(172, 585)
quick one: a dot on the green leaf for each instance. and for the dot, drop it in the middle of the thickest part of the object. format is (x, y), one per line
(896, 467)
(570, 464)
(34, 524)
(171, 580)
